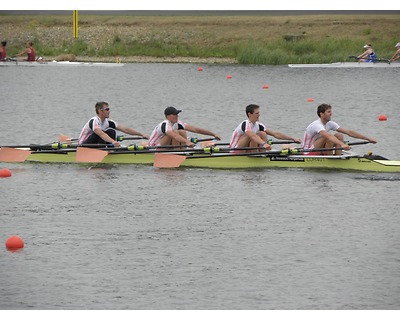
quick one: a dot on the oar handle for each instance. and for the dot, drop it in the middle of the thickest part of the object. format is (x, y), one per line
(269, 141)
(196, 140)
(374, 59)
(122, 138)
(356, 143)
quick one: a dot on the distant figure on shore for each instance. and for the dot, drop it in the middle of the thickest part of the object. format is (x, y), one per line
(368, 55)
(3, 52)
(29, 51)
(396, 55)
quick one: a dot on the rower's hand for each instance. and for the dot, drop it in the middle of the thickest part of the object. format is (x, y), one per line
(146, 136)
(372, 140)
(345, 146)
(190, 144)
(266, 146)
(116, 144)
(297, 140)
(217, 137)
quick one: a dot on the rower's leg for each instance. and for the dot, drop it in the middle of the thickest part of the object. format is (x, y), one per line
(166, 141)
(320, 143)
(340, 137)
(263, 136)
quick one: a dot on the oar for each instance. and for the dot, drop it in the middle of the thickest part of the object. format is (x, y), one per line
(122, 138)
(196, 140)
(374, 59)
(13, 155)
(301, 150)
(90, 155)
(269, 141)
(162, 160)
(58, 146)
(356, 143)
(64, 138)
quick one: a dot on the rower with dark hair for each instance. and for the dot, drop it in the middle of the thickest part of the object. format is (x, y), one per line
(317, 134)
(29, 51)
(100, 129)
(252, 133)
(3, 52)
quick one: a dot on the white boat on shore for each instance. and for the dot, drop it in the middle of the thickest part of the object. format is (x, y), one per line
(348, 65)
(11, 63)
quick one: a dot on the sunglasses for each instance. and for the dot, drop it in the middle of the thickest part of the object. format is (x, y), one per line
(106, 109)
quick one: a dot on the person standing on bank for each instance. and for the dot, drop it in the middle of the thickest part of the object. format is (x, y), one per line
(102, 130)
(252, 133)
(317, 134)
(173, 131)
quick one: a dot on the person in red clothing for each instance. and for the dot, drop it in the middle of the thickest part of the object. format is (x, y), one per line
(29, 51)
(3, 52)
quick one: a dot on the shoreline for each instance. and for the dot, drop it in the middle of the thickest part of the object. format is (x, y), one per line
(143, 59)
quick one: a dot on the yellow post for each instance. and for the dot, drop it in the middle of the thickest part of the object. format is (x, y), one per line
(75, 23)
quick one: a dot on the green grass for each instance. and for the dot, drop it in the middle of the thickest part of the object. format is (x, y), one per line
(248, 39)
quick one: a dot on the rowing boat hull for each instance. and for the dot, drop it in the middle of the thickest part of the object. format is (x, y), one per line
(224, 161)
(58, 64)
(348, 65)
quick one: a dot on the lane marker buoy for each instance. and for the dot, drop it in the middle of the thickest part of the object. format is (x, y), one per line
(4, 173)
(14, 243)
(382, 117)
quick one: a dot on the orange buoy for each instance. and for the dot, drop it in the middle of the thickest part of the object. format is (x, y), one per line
(14, 243)
(4, 173)
(265, 86)
(382, 117)
(310, 100)
(229, 77)
(199, 69)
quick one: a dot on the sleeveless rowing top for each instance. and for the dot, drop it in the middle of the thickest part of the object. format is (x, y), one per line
(3, 54)
(31, 55)
(372, 57)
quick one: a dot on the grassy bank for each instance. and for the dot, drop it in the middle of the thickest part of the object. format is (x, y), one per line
(245, 39)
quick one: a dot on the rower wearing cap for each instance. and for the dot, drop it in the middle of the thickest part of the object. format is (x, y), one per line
(368, 55)
(252, 133)
(173, 131)
(396, 55)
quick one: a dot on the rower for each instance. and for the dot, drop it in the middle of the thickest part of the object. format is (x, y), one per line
(172, 131)
(102, 130)
(317, 134)
(29, 51)
(252, 133)
(368, 55)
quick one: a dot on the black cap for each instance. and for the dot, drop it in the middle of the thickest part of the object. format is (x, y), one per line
(171, 110)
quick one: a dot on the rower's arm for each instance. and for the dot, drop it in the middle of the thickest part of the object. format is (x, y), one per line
(281, 136)
(178, 137)
(201, 131)
(127, 130)
(356, 135)
(106, 137)
(334, 140)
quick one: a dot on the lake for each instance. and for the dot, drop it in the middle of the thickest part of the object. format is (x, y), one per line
(136, 237)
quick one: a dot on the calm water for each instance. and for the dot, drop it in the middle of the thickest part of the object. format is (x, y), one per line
(136, 237)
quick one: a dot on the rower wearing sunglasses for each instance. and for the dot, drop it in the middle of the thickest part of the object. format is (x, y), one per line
(102, 130)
